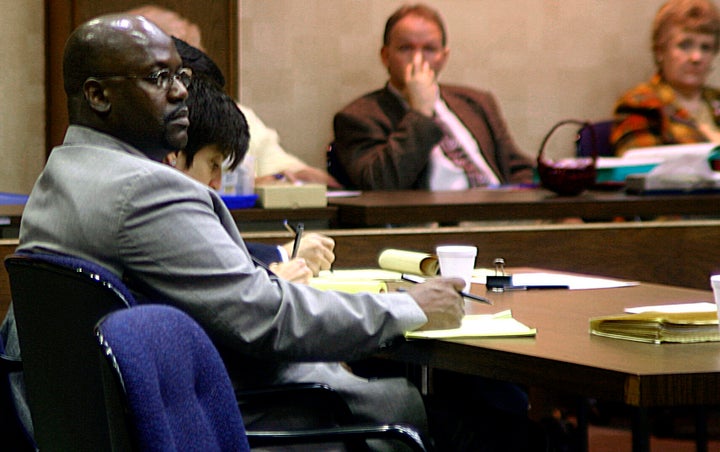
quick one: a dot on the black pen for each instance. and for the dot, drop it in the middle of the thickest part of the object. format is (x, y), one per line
(419, 279)
(537, 287)
(298, 236)
(477, 298)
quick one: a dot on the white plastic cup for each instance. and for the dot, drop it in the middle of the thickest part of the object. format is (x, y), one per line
(715, 283)
(246, 176)
(457, 261)
(241, 180)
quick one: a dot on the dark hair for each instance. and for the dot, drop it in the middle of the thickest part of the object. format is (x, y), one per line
(199, 62)
(420, 10)
(215, 119)
(698, 16)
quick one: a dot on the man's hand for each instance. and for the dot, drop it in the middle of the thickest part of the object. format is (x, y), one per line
(307, 174)
(420, 86)
(314, 175)
(316, 249)
(440, 300)
(295, 270)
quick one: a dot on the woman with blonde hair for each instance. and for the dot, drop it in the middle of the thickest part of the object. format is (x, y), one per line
(675, 106)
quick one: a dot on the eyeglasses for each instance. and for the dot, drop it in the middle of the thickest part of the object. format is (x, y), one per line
(163, 79)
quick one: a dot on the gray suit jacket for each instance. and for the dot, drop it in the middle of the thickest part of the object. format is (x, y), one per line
(382, 145)
(102, 200)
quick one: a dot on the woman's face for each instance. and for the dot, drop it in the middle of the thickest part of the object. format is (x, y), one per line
(686, 60)
(206, 166)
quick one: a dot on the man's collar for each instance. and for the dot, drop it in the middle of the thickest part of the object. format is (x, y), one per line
(83, 134)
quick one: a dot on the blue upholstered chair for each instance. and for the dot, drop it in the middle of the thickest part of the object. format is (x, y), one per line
(178, 395)
(57, 300)
(177, 391)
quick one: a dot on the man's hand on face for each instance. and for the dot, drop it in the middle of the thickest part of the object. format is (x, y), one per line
(420, 86)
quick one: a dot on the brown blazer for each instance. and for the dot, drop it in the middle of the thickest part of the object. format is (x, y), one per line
(381, 145)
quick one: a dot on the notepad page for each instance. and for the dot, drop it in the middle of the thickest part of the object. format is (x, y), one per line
(501, 324)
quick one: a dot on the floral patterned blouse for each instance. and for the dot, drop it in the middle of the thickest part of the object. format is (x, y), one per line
(647, 115)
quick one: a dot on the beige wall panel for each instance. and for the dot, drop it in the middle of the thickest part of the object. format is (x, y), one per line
(545, 60)
(22, 120)
(302, 60)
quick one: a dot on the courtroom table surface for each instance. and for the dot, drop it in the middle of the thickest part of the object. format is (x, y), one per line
(681, 253)
(11, 209)
(564, 356)
(375, 208)
(12, 205)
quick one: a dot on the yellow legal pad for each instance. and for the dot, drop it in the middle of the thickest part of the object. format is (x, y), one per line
(354, 281)
(349, 286)
(501, 324)
(404, 261)
(658, 327)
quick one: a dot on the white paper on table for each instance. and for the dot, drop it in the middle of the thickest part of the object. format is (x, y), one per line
(343, 193)
(701, 306)
(574, 282)
(669, 151)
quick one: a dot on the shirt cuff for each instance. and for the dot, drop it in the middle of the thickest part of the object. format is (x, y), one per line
(405, 308)
(283, 254)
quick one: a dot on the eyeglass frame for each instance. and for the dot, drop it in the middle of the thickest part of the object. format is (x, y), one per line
(156, 77)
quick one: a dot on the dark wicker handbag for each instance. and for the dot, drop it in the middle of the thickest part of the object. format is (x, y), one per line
(568, 177)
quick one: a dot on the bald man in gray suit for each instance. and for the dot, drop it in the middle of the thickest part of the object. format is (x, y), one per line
(105, 197)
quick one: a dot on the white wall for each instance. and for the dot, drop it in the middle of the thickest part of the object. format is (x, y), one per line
(545, 60)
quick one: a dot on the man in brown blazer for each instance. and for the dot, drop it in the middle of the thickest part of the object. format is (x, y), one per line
(403, 136)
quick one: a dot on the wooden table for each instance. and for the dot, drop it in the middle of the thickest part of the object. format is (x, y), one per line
(11, 209)
(272, 219)
(565, 357)
(680, 253)
(12, 205)
(376, 208)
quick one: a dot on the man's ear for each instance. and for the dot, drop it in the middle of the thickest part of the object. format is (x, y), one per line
(171, 159)
(95, 95)
(385, 57)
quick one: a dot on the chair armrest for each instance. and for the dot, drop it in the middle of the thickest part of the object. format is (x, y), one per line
(323, 397)
(394, 432)
(10, 363)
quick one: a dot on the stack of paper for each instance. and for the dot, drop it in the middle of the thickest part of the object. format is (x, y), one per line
(501, 324)
(393, 263)
(349, 286)
(657, 327)
(354, 281)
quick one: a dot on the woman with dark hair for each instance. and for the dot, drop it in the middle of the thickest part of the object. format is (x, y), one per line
(218, 132)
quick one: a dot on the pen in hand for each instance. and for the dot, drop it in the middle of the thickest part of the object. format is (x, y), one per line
(469, 296)
(298, 236)
(298, 231)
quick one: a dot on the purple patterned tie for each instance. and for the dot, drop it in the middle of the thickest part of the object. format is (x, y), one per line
(455, 152)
